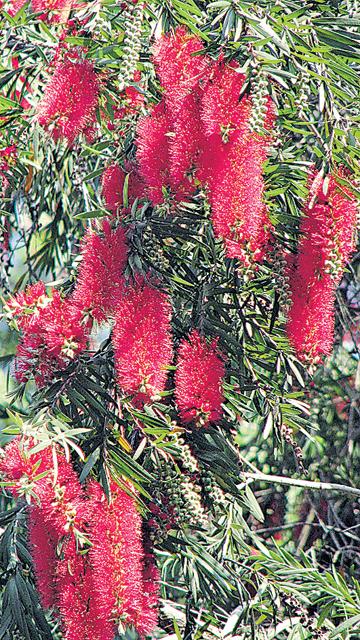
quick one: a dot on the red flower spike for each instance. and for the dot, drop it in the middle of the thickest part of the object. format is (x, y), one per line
(104, 539)
(129, 556)
(43, 541)
(231, 165)
(184, 144)
(52, 10)
(326, 244)
(180, 72)
(224, 111)
(71, 582)
(153, 152)
(53, 333)
(178, 68)
(123, 580)
(142, 342)
(198, 380)
(70, 98)
(100, 276)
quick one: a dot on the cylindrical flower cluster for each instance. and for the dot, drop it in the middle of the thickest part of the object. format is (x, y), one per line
(100, 280)
(142, 342)
(89, 561)
(202, 132)
(53, 332)
(326, 243)
(198, 380)
(70, 98)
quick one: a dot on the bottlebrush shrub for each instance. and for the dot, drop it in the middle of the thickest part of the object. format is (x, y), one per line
(327, 241)
(198, 380)
(53, 332)
(91, 591)
(100, 277)
(43, 541)
(70, 98)
(142, 342)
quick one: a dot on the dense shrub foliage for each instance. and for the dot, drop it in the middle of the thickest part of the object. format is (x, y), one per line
(180, 332)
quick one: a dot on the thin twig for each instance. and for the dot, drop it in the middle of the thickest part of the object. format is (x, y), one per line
(307, 484)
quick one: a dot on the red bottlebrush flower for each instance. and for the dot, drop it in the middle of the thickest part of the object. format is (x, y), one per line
(180, 73)
(142, 342)
(25, 303)
(153, 152)
(15, 7)
(58, 9)
(184, 146)
(100, 277)
(72, 585)
(231, 165)
(43, 541)
(198, 380)
(224, 110)
(53, 332)
(123, 580)
(178, 68)
(129, 556)
(104, 540)
(245, 227)
(325, 246)
(70, 99)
